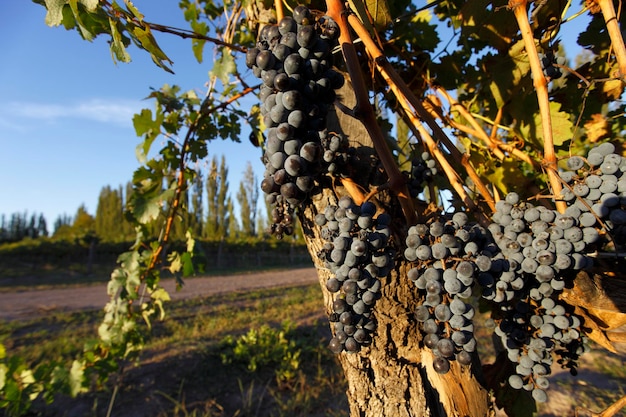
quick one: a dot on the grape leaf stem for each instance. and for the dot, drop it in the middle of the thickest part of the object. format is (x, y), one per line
(541, 87)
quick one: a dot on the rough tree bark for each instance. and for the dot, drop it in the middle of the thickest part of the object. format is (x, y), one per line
(393, 376)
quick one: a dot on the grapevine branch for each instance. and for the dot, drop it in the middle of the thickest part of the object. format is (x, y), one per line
(612, 409)
(617, 41)
(182, 33)
(365, 113)
(411, 104)
(541, 86)
(475, 129)
(180, 181)
(419, 130)
(490, 140)
(278, 5)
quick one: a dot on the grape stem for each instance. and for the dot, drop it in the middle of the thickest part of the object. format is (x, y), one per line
(617, 41)
(364, 111)
(541, 86)
(412, 105)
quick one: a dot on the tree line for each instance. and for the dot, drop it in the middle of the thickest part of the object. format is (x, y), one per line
(209, 212)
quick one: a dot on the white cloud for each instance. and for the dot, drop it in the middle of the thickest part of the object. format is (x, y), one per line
(118, 112)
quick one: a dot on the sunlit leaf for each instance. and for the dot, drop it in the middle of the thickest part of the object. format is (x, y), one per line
(77, 378)
(54, 16)
(145, 38)
(223, 67)
(118, 50)
(148, 127)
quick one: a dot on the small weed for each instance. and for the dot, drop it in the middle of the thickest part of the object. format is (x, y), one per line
(265, 347)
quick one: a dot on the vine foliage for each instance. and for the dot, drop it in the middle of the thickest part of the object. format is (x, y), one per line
(495, 100)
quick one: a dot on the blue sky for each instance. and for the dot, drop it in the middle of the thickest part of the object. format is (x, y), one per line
(66, 110)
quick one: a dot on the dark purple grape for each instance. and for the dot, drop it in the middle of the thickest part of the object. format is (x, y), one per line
(292, 99)
(305, 183)
(265, 60)
(268, 77)
(292, 64)
(289, 190)
(290, 40)
(441, 365)
(294, 165)
(310, 152)
(445, 347)
(306, 36)
(282, 82)
(302, 15)
(287, 24)
(335, 345)
(251, 57)
(333, 285)
(296, 119)
(281, 177)
(268, 185)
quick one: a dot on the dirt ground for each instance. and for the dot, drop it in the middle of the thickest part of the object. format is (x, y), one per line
(33, 303)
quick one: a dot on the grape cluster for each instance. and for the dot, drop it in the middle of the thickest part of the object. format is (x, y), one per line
(282, 220)
(596, 194)
(292, 59)
(337, 153)
(538, 248)
(442, 253)
(357, 252)
(423, 169)
(548, 60)
(533, 330)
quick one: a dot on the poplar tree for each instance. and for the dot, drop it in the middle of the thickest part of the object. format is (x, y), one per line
(247, 197)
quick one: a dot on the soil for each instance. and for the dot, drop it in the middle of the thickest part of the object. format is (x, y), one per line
(29, 304)
(566, 393)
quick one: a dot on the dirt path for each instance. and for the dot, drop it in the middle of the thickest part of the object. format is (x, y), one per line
(30, 304)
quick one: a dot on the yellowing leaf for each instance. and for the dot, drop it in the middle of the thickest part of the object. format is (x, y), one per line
(160, 294)
(597, 128)
(77, 378)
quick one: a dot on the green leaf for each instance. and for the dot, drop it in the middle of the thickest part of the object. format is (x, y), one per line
(118, 50)
(188, 268)
(144, 36)
(562, 127)
(145, 125)
(3, 352)
(148, 207)
(224, 66)
(131, 8)
(197, 45)
(377, 9)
